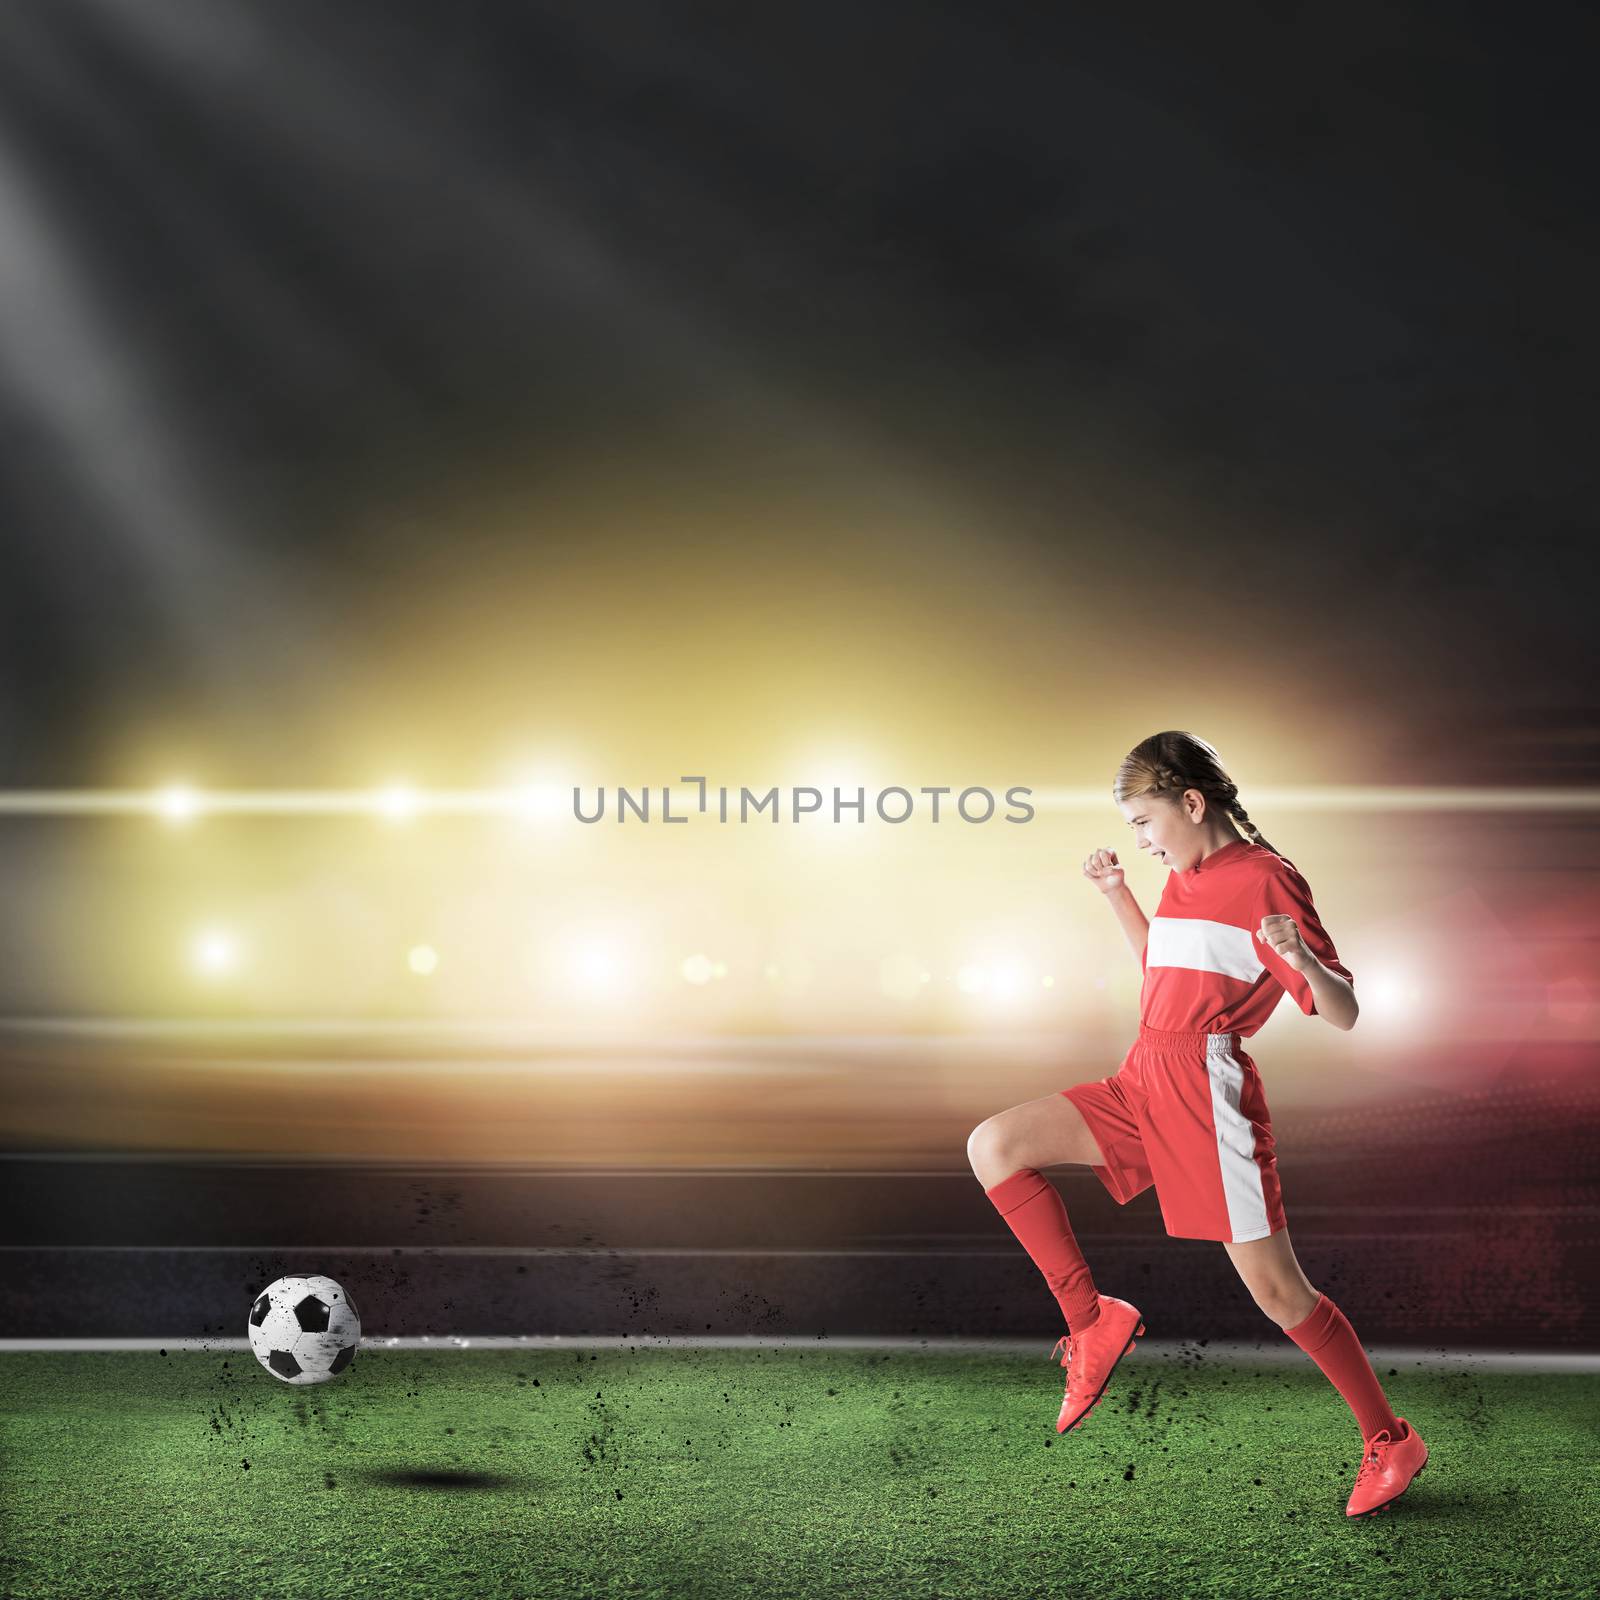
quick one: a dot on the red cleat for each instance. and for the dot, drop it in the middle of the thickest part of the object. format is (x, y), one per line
(1092, 1356)
(1387, 1467)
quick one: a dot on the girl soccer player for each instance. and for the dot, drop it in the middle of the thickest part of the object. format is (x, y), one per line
(1186, 1110)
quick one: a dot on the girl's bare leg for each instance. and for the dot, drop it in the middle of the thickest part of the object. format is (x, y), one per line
(1048, 1132)
(1272, 1274)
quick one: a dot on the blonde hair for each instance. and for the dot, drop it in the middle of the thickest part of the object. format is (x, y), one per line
(1166, 764)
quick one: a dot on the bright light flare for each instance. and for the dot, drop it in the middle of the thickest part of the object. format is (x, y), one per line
(598, 968)
(1391, 997)
(423, 960)
(399, 802)
(1004, 981)
(177, 804)
(1007, 981)
(541, 797)
(214, 953)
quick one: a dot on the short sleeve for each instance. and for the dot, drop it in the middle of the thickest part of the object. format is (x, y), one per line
(1283, 892)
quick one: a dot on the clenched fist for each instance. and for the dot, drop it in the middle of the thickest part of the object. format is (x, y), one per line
(1281, 935)
(1102, 871)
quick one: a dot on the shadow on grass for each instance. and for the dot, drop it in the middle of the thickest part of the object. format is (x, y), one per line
(432, 1478)
(1467, 1507)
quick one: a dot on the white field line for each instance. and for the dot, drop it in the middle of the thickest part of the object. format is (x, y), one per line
(1172, 1351)
(485, 1250)
(903, 1253)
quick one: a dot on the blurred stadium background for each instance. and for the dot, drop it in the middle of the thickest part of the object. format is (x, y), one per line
(509, 1073)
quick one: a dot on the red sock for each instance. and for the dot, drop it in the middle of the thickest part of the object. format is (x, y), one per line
(1035, 1212)
(1331, 1342)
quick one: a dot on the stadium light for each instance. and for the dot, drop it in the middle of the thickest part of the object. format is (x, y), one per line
(1391, 996)
(1007, 982)
(596, 968)
(178, 804)
(399, 803)
(540, 802)
(214, 953)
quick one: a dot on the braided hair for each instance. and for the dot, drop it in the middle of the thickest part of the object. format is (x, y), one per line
(1166, 764)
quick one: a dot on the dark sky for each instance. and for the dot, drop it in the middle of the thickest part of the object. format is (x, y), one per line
(1298, 300)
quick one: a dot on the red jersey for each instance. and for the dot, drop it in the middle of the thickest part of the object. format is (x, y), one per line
(1205, 971)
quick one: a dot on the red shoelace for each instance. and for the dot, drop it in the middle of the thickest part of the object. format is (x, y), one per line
(1370, 1463)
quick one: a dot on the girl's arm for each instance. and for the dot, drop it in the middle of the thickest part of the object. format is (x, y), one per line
(1102, 869)
(1293, 944)
(1134, 926)
(1336, 999)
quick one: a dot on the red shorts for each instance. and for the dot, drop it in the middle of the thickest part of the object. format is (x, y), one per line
(1187, 1112)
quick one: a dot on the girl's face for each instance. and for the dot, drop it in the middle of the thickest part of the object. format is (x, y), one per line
(1163, 829)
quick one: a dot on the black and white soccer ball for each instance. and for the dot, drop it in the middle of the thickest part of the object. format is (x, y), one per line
(304, 1330)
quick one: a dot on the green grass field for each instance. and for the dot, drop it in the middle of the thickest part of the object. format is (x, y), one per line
(773, 1472)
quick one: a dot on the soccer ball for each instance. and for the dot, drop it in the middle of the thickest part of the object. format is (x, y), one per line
(304, 1330)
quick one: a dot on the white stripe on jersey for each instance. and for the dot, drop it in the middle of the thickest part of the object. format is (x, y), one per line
(1236, 1146)
(1202, 946)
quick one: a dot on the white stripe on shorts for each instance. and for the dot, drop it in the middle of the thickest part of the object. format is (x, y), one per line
(1236, 1144)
